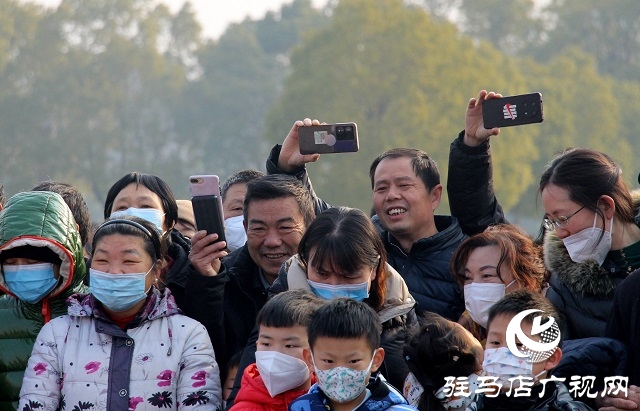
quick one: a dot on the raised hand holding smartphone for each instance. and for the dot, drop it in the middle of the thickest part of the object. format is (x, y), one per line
(512, 110)
(328, 138)
(207, 204)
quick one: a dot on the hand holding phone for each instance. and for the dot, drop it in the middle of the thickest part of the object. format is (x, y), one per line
(328, 138)
(512, 110)
(207, 204)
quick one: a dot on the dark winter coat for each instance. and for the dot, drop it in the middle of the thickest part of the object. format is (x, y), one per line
(472, 199)
(581, 292)
(227, 304)
(624, 323)
(176, 277)
(425, 269)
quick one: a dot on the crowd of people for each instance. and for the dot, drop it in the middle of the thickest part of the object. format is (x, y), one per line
(308, 306)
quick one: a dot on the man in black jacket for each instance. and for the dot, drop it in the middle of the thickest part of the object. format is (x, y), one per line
(406, 192)
(226, 296)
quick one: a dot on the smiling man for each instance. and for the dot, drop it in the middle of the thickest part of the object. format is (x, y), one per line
(406, 192)
(277, 211)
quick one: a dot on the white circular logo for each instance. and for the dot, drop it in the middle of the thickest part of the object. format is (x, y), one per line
(532, 350)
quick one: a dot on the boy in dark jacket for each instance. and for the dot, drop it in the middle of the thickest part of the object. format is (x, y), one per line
(344, 349)
(522, 374)
(280, 374)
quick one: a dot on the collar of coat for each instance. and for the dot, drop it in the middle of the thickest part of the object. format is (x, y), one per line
(589, 278)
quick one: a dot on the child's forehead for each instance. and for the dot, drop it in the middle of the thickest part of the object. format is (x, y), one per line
(500, 322)
(297, 331)
(340, 346)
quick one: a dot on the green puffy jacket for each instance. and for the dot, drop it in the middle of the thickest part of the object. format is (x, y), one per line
(40, 219)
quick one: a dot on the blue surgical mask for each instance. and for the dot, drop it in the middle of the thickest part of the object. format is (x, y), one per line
(150, 214)
(328, 291)
(30, 282)
(118, 292)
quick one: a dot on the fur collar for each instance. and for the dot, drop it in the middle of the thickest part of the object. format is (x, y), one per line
(587, 279)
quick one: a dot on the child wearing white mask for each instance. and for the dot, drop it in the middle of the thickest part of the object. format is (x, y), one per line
(344, 350)
(280, 374)
(519, 366)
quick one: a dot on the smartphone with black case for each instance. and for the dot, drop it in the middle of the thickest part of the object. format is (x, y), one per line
(328, 138)
(512, 110)
(207, 204)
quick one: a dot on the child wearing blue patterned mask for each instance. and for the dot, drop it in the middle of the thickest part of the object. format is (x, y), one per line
(526, 373)
(344, 349)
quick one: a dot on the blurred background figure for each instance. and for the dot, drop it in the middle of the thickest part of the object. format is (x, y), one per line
(186, 223)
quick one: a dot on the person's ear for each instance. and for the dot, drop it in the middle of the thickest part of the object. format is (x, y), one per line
(374, 272)
(378, 358)
(436, 195)
(607, 205)
(306, 354)
(554, 360)
(156, 270)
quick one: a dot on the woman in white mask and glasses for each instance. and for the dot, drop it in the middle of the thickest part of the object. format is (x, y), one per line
(491, 264)
(592, 241)
(125, 345)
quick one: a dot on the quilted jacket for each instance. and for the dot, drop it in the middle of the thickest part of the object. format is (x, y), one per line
(39, 219)
(164, 360)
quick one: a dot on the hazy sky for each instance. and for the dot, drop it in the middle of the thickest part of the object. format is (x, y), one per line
(216, 15)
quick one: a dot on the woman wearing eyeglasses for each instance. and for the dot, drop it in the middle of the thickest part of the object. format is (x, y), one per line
(592, 241)
(591, 236)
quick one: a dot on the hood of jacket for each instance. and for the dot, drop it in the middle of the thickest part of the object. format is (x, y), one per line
(43, 219)
(398, 300)
(589, 278)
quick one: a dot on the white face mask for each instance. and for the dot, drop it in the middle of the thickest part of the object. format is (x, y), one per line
(479, 297)
(281, 372)
(584, 245)
(342, 384)
(501, 363)
(150, 214)
(234, 232)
